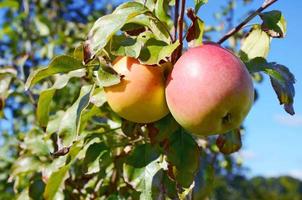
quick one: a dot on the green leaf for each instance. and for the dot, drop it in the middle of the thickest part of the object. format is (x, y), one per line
(125, 46)
(196, 29)
(256, 44)
(106, 76)
(166, 126)
(58, 177)
(283, 83)
(161, 10)
(69, 125)
(9, 4)
(36, 187)
(140, 169)
(274, 23)
(98, 98)
(155, 50)
(99, 36)
(25, 164)
(181, 145)
(41, 26)
(60, 64)
(47, 95)
(92, 156)
(199, 3)
(229, 142)
(55, 181)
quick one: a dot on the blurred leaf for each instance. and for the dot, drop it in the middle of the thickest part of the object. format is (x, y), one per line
(140, 168)
(166, 126)
(274, 23)
(9, 4)
(25, 164)
(99, 36)
(41, 26)
(256, 44)
(199, 3)
(196, 29)
(98, 98)
(58, 177)
(36, 187)
(69, 125)
(229, 142)
(60, 64)
(47, 95)
(181, 145)
(93, 154)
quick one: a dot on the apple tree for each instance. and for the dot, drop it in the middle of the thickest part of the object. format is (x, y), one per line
(93, 122)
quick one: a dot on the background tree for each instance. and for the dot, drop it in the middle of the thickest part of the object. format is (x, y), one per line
(61, 139)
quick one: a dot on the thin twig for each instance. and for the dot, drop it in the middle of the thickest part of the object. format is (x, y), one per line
(266, 4)
(180, 23)
(176, 13)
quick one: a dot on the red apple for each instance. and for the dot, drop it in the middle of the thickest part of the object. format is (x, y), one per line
(209, 90)
(140, 96)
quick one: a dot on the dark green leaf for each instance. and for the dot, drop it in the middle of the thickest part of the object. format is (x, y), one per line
(125, 46)
(229, 142)
(166, 126)
(274, 23)
(36, 187)
(183, 149)
(60, 64)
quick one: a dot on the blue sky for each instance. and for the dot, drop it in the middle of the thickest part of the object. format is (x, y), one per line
(272, 142)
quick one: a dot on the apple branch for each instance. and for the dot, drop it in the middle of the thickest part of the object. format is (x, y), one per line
(266, 4)
(176, 13)
(180, 23)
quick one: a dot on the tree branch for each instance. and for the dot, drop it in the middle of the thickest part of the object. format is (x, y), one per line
(180, 23)
(176, 18)
(266, 4)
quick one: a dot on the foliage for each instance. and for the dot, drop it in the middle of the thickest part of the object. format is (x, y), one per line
(64, 142)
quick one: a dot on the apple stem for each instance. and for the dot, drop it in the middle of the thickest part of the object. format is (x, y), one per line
(266, 4)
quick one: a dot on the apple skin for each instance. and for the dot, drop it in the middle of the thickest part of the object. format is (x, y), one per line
(140, 96)
(209, 90)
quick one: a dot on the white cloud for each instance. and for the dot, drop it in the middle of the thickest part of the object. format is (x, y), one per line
(247, 154)
(288, 120)
(297, 173)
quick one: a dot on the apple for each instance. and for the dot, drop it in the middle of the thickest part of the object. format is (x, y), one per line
(140, 96)
(209, 90)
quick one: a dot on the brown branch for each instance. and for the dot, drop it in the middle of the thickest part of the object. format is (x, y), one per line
(266, 4)
(180, 23)
(176, 13)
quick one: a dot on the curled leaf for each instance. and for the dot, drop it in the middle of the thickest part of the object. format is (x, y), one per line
(229, 142)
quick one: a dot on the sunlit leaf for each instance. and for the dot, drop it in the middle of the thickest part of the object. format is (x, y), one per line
(196, 29)
(60, 64)
(274, 23)
(229, 142)
(199, 3)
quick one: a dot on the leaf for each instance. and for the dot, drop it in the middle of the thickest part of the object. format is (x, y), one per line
(98, 98)
(281, 78)
(283, 83)
(54, 182)
(199, 3)
(140, 168)
(36, 187)
(155, 50)
(9, 4)
(181, 145)
(47, 95)
(58, 177)
(125, 46)
(99, 36)
(196, 29)
(69, 125)
(60, 64)
(106, 76)
(229, 142)
(161, 10)
(25, 164)
(256, 44)
(93, 154)
(166, 126)
(274, 23)
(41, 26)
